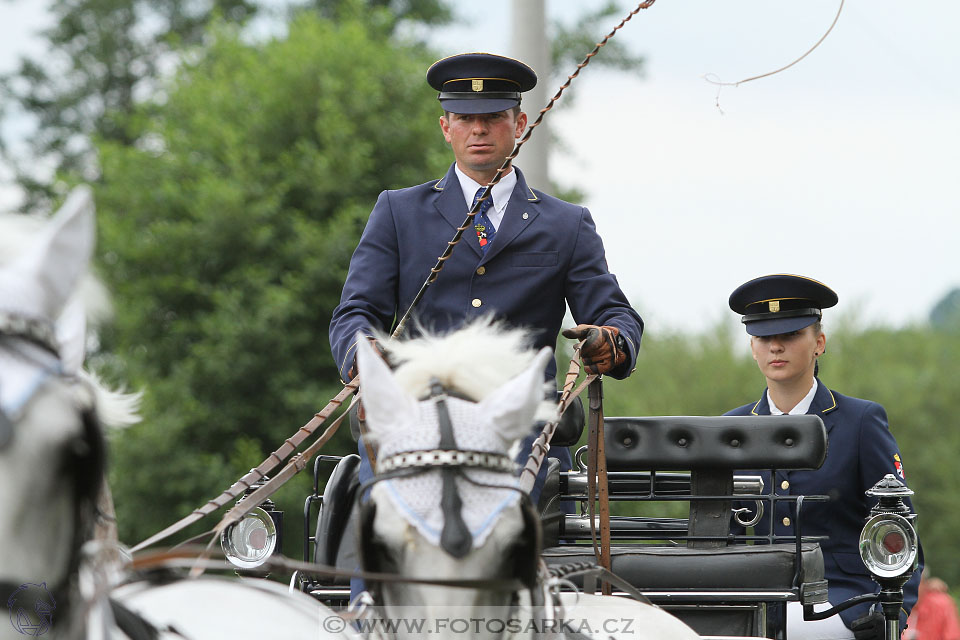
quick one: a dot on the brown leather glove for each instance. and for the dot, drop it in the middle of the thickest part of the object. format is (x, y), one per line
(603, 350)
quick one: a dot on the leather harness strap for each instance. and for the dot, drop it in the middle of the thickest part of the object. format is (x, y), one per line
(265, 467)
(597, 480)
(540, 446)
(187, 558)
(364, 437)
(295, 466)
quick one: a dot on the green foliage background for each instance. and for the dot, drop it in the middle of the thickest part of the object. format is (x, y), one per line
(225, 238)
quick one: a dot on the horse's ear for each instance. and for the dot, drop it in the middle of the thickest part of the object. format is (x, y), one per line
(383, 398)
(42, 278)
(514, 404)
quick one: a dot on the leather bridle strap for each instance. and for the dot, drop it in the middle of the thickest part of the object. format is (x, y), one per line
(541, 446)
(455, 538)
(597, 480)
(295, 466)
(278, 563)
(504, 168)
(265, 467)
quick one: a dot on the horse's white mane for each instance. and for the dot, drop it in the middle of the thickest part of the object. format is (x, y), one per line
(474, 360)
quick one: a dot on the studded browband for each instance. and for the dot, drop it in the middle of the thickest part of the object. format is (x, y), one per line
(442, 458)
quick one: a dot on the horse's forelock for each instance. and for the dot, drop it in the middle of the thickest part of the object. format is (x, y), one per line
(472, 361)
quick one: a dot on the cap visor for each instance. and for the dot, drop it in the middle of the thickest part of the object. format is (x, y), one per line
(777, 326)
(478, 105)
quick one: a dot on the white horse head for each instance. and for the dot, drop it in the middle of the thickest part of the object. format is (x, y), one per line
(51, 458)
(493, 388)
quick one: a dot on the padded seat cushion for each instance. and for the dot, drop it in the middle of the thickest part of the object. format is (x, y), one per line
(650, 567)
(671, 443)
(336, 522)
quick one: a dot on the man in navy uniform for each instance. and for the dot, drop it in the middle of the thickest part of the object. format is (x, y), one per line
(782, 315)
(527, 255)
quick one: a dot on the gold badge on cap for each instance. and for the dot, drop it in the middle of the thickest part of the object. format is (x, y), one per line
(774, 306)
(477, 84)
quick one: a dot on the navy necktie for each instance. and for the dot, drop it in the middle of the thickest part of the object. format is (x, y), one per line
(481, 223)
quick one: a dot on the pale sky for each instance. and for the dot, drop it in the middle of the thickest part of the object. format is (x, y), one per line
(843, 168)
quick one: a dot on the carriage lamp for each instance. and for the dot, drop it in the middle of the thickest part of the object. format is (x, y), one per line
(247, 544)
(889, 548)
(888, 542)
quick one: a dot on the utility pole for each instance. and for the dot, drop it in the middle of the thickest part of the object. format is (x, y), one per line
(528, 42)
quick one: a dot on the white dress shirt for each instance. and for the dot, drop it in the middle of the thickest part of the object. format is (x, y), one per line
(802, 406)
(501, 193)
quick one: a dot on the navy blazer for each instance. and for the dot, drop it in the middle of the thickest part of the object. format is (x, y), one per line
(546, 254)
(860, 451)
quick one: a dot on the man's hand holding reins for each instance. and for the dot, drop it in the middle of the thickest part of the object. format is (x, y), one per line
(603, 350)
(353, 371)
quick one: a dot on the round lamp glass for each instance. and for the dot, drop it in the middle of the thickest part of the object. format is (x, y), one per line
(248, 543)
(888, 545)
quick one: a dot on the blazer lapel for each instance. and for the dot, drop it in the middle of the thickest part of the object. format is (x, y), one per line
(522, 210)
(824, 405)
(762, 408)
(450, 205)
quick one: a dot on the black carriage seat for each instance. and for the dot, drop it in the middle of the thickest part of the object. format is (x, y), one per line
(336, 543)
(711, 448)
(674, 568)
(570, 427)
(567, 434)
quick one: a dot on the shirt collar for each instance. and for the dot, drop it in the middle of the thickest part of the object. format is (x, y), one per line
(802, 407)
(501, 190)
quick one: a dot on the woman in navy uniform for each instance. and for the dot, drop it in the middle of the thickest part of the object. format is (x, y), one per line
(782, 314)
